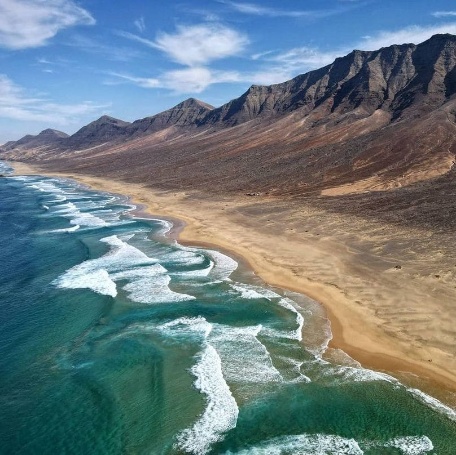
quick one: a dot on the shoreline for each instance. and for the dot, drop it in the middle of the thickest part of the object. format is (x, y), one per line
(223, 224)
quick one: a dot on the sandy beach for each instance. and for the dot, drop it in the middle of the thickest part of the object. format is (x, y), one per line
(389, 293)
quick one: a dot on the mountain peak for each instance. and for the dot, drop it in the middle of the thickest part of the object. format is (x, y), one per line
(49, 132)
(193, 102)
(188, 113)
(402, 81)
(110, 120)
(104, 129)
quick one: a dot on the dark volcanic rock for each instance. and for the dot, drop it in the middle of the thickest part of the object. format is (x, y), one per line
(188, 113)
(393, 78)
(105, 129)
(47, 137)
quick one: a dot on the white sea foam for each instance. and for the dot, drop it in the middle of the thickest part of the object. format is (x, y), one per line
(319, 349)
(21, 178)
(433, 403)
(149, 285)
(123, 255)
(71, 229)
(46, 187)
(77, 207)
(341, 373)
(295, 367)
(166, 225)
(69, 210)
(86, 204)
(89, 213)
(221, 412)
(190, 259)
(224, 266)
(94, 273)
(87, 219)
(287, 303)
(245, 359)
(320, 444)
(304, 444)
(189, 274)
(58, 198)
(185, 256)
(411, 445)
(147, 280)
(249, 291)
(185, 326)
(86, 276)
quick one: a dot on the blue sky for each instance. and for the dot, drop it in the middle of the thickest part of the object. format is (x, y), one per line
(65, 63)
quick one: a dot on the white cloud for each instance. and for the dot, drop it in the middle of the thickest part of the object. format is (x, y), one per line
(183, 81)
(304, 57)
(255, 9)
(196, 45)
(281, 66)
(260, 55)
(140, 24)
(16, 104)
(31, 23)
(273, 66)
(115, 53)
(444, 13)
(258, 10)
(414, 34)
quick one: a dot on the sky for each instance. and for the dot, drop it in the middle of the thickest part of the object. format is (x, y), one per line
(65, 63)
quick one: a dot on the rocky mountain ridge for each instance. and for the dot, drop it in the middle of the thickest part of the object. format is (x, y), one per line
(402, 80)
(371, 120)
(48, 136)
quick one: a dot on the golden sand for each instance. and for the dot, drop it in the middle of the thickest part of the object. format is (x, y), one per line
(391, 308)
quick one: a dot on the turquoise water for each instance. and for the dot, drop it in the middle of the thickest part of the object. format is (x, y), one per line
(117, 340)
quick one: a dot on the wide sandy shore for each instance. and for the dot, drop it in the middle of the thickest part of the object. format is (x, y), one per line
(390, 294)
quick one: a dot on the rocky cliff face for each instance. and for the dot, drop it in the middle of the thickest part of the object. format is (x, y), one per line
(105, 129)
(188, 113)
(393, 79)
(44, 138)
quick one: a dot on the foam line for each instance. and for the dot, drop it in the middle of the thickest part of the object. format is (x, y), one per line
(86, 277)
(224, 266)
(286, 303)
(71, 229)
(221, 412)
(433, 403)
(188, 326)
(249, 291)
(245, 359)
(149, 285)
(308, 444)
(304, 444)
(166, 225)
(94, 273)
(411, 445)
(255, 292)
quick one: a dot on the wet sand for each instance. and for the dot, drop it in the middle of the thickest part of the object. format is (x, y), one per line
(389, 295)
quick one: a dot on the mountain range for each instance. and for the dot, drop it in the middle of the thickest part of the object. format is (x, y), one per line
(379, 122)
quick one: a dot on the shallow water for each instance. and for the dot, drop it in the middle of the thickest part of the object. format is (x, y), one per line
(115, 339)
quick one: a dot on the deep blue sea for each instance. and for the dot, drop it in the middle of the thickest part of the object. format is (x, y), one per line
(115, 339)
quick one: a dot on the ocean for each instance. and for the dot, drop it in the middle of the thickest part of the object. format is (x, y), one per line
(116, 339)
